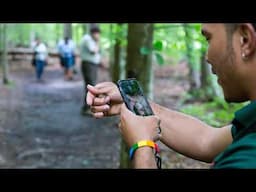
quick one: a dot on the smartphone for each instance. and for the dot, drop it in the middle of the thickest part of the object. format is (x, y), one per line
(133, 97)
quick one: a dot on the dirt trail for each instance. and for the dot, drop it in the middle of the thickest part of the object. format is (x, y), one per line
(41, 125)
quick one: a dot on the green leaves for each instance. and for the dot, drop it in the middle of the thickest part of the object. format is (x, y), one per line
(157, 49)
(144, 51)
(158, 46)
(159, 58)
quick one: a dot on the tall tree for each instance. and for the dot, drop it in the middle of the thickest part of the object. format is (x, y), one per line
(194, 73)
(117, 71)
(139, 66)
(85, 28)
(58, 32)
(4, 51)
(208, 89)
(68, 30)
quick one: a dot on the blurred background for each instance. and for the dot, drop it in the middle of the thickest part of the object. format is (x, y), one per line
(40, 121)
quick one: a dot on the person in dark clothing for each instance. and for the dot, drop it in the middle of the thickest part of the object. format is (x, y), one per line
(90, 61)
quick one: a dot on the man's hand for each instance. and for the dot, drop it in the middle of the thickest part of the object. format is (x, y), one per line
(136, 128)
(104, 99)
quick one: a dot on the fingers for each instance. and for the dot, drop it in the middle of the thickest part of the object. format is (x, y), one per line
(89, 98)
(98, 115)
(105, 85)
(93, 96)
(101, 88)
(100, 100)
(97, 109)
(98, 89)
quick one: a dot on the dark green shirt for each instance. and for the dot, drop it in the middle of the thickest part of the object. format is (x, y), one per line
(241, 153)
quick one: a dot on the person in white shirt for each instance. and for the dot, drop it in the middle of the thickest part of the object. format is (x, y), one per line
(41, 54)
(90, 61)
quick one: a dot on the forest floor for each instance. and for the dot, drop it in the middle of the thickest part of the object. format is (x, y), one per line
(41, 125)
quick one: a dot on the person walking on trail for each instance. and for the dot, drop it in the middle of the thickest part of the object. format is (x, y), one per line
(90, 60)
(232, 56)
(66, 50)
(41, 55)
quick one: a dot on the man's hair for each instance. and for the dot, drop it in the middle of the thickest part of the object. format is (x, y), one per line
(95, 29)
(231, 27)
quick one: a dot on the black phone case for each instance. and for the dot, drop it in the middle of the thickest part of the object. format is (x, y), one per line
(141, 106)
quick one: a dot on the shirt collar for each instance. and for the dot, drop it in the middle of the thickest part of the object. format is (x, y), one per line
(246, 115)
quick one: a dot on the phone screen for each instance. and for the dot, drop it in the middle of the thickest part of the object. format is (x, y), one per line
(134, 98)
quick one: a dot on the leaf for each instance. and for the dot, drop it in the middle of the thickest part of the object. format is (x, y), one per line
(144, 50)
(159, 58)
(158, 45)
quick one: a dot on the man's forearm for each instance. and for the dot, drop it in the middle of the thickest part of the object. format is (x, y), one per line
(185, 134)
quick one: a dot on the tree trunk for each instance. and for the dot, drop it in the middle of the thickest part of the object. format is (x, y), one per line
(194, 75)
(208, 89)
(67, 30)
(21, 35)
(138, 66)
(85, 28)
(4, 60)
(58, 32)
(117, 72)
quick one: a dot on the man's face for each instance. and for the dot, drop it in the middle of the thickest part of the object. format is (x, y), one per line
(96, 36)
(224, 57)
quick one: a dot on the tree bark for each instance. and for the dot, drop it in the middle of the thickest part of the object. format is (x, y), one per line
(4, 53)
(67, 30)
(207, 86)
(194, 75)
(140, 67)
(85, 28)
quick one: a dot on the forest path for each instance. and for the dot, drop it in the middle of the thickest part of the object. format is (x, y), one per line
(41, 125)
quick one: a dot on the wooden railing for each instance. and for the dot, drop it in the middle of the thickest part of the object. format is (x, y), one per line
(26, 53)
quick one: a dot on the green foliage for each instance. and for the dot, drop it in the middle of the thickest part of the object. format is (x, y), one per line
(173, 38)
(21, 33)
(113, 33)
(169, 38)
(216, 113)
(159, 58)
(157, 51)
(158, 45)
(144, 51)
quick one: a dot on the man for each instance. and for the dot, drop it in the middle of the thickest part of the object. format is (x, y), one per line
(91, 60)
(232, 55)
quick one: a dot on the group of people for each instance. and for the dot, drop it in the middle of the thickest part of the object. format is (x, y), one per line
(90, 55)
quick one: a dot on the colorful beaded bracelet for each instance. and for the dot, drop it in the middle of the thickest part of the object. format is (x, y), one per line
(142, 144)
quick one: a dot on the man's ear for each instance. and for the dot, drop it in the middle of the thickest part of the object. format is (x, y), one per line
(247, 39)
